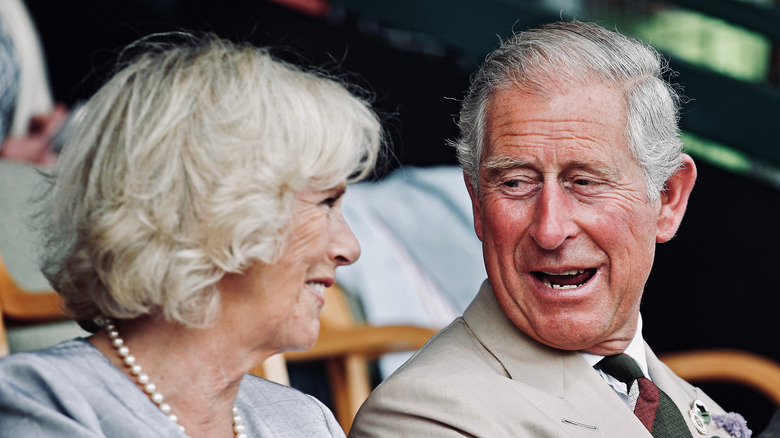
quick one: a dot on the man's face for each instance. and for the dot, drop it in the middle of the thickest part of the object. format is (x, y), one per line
(567, 230)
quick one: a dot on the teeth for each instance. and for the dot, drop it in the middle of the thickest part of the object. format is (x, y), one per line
(319, 287)
(569, 272)
(565, 286)
(547, 283)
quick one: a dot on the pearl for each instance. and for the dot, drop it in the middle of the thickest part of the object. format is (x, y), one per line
(130, 360)
(144, 381)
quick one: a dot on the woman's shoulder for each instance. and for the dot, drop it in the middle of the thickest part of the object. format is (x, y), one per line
(279, 409)
(265, 392)
(58, 358)
(56, 372)
(71, 389)
(44, 392)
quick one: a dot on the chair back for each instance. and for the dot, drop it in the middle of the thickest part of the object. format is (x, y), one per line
(733, 366)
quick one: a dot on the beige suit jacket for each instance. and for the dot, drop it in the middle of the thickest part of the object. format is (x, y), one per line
(481, 376)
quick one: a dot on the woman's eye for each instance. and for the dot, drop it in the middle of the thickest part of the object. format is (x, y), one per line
(331, 201)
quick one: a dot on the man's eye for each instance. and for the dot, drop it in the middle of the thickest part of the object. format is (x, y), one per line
(583, 182)
(512, 183)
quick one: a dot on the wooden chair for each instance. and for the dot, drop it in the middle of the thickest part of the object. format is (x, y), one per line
(733, 366)
(347, 347)
(18, 305)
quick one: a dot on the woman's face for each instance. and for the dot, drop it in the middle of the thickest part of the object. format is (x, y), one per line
(282, 302)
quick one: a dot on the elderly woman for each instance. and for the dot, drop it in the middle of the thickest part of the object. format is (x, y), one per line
(195, 222)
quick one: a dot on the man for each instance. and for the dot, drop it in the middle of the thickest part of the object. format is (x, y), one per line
(572, 158)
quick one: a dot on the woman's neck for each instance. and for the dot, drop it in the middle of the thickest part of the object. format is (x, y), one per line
(197, 371)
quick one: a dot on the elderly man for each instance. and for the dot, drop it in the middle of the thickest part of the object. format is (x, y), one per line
(572, 157)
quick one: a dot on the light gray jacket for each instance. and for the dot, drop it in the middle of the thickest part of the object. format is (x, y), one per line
(481, 376)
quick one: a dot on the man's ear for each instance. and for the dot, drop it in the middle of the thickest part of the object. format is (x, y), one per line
(476, 206)
(674, 200)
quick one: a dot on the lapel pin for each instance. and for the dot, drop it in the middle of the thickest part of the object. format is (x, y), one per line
(700, 416)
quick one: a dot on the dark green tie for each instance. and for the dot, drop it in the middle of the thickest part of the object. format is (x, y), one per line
(653, 407)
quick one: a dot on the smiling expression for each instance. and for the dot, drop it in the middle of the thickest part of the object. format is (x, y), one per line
(283, 301)
(567, 230)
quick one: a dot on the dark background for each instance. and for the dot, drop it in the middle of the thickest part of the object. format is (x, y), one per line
(711, 287)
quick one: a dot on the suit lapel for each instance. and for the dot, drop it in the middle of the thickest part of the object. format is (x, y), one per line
(581, 399)
(523, 359)
(682, 395)
(589, 394)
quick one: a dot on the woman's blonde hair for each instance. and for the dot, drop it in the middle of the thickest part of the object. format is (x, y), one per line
(183, 167)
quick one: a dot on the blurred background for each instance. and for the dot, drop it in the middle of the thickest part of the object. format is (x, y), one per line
(712, 286)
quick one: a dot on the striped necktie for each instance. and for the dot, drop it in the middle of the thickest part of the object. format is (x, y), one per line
(653, 407)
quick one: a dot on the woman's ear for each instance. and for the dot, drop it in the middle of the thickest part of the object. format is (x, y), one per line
(674, 200)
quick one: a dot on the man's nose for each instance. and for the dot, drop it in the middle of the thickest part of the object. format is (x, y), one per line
(553, 218)
(344, 247)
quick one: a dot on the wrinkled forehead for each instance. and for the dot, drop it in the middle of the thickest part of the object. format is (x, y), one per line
(594, 92)
(584, 128)
(590, 110)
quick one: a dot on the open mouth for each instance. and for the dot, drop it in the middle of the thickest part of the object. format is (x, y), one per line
(570, 279)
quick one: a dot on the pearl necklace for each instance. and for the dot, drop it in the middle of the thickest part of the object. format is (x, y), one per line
(142, 379)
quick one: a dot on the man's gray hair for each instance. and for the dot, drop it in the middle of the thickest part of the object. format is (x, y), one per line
(552, 57)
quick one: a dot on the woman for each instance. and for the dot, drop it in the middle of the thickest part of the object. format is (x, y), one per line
(194, 224)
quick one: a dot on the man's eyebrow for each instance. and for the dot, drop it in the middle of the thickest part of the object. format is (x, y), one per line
(599, 168)
(501, 162)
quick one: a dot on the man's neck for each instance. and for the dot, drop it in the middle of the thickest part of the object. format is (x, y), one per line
(635, 349)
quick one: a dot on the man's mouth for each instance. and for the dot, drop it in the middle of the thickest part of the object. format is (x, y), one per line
(570, 279)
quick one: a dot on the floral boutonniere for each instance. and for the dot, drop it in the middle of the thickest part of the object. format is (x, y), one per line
(734, 424)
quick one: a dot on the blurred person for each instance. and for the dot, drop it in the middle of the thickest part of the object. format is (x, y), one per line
(29, 119)
(194, 223)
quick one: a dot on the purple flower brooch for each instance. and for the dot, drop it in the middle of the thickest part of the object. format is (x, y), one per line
(734, 424)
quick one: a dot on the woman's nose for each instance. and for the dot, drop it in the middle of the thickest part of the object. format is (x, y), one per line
(344, 247)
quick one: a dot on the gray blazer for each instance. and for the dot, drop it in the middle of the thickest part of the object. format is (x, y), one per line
(481, 376)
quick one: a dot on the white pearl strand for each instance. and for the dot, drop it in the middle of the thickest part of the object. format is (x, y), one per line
(142, 379)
